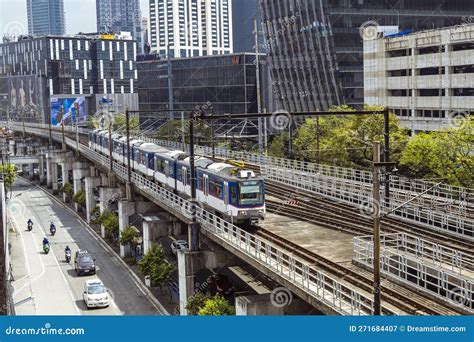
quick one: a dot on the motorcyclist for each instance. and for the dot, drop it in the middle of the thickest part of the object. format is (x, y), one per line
(30, 222)
(45, 241)
(67, 250)
(52, 226)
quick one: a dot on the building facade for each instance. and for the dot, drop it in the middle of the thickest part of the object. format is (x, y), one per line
(426, 78)
(46, 17)
(244, 13)
(191, 27)
(117, 16)
(316, 46)
(34, 71)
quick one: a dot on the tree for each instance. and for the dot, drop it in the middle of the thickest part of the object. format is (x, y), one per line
(444, 155)
(155, 265)
(80, 198)
(129, 237)
(92, 122)
(216, 306)
(120, 124)
(278, 146)
(9, 174)
(196, 302)
(344, 140)
(95, 215)
(68, 190)
(110, 222)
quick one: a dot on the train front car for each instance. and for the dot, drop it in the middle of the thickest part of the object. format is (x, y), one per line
(248, 195)
(237, 195)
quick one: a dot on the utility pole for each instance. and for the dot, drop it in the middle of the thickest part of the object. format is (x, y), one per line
(318, 142)
(76, 106)
(128, 187)
(62, 129)
(259, 100)
(170, 89)
(194, 225)
(386, 151)
(183, 132)
(376, 216)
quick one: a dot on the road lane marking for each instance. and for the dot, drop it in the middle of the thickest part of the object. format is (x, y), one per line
(55, 260)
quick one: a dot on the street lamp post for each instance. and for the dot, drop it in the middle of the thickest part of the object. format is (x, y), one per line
(376, 216)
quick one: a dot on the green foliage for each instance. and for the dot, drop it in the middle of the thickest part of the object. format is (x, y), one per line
(95, 215)
(67, 189)
(277, 148)
(9, 176)
(110, 222)
(80, 198)
(444, 155)
(120, 124)
(216, 306)
(92, 122)
(344, 141)
(154, 265)
(196, 302)
(173, 130)
(129, 236)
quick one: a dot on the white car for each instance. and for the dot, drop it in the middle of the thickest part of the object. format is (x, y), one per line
(179, 245)
(95, 294)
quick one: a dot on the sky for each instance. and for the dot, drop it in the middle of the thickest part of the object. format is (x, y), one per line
(80, 16)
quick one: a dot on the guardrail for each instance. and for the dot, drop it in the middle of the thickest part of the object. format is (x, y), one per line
(355, 194)
(326, 289)
(439, 271)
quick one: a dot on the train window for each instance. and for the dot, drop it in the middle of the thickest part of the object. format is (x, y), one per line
(200, 182)
(250, 193)
(160, 165)
(171, 170)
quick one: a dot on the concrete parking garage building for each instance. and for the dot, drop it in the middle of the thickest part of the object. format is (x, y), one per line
(426, 78)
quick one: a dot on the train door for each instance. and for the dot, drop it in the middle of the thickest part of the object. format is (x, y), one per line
(205, 187)
(226, 197)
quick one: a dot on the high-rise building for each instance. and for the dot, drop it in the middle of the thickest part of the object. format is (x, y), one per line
(191, 27)
(244, 13)
(119, 16)
(46, 17)
(316, 46)
(36, 71)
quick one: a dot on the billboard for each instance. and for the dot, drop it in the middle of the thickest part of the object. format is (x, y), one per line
(23, 97)
(68, 110)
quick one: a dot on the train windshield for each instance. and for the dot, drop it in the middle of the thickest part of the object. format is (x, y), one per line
(250, 193)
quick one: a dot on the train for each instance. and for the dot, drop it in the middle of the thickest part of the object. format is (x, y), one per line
(227, 190)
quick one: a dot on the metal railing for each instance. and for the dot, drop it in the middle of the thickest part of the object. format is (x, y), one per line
(340, 297)
(361, 196)
(439, 271)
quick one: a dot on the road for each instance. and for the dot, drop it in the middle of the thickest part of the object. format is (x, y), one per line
(46, 284)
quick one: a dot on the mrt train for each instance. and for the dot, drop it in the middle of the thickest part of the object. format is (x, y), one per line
(226, 190)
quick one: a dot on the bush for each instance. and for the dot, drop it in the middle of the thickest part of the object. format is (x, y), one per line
(216, 306)
(196, 302)
(111, 224)
(80, 198)
(156, 266)
(95, 215)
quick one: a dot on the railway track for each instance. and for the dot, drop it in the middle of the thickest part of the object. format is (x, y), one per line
(336, 215)
(398, 296)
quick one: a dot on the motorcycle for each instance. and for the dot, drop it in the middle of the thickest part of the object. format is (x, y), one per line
(30, 227)
(68, 256)
(52, 229)
(46, 248)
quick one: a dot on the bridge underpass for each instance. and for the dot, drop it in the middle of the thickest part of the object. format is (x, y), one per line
(327, 293)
